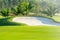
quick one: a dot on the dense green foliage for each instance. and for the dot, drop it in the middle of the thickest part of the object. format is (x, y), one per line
(24, 7)
(5, 12)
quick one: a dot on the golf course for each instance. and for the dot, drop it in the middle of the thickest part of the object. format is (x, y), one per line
(29, 19)
(19, 31)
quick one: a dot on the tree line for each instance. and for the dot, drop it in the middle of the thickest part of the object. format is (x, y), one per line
(24, 7)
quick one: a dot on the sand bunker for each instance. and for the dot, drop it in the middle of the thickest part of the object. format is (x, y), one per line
(35, 21)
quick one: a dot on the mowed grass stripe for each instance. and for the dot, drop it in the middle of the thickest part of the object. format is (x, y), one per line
(29, 33)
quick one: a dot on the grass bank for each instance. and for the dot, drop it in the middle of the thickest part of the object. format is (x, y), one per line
(56, 18)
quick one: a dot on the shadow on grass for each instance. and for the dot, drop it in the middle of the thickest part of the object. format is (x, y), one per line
(6, 22)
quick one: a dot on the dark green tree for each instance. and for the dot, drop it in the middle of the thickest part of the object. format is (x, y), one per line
(23, 8)
(5, 12)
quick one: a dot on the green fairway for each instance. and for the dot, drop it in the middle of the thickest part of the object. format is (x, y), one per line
(29, 33)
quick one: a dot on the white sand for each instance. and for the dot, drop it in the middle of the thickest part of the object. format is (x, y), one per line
(35, 21)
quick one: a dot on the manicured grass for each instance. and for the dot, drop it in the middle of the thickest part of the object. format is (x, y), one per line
(29, 33)
(56, 18)
(11, 31)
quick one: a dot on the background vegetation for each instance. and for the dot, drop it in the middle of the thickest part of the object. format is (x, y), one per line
(29, 7)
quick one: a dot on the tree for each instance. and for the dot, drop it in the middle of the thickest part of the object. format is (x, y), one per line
(21, 8)
(51, 10)
(5, 12)
(28, 7)
(24, 8)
